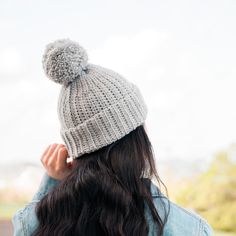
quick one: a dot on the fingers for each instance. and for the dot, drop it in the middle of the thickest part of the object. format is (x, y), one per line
(62, 157)
(45, 152)
(54, 154)
(55, 160)
(50, 154)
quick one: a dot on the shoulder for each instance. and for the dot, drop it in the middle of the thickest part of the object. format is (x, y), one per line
(187, 222)
(25, 220)
(180, 221)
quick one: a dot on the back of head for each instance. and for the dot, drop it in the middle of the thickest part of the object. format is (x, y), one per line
(105, 194)
(102, 123)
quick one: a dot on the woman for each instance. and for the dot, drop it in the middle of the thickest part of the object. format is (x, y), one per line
(106, 188)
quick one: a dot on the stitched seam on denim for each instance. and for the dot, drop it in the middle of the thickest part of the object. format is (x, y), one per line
(201, 227)
(22, 222)
(189, 213)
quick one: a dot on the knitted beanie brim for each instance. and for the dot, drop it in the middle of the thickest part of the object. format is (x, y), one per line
(107, 126)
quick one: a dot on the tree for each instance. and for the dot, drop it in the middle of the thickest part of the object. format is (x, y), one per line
(213, 193)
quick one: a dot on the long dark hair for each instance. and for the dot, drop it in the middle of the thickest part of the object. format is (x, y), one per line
(105, 194)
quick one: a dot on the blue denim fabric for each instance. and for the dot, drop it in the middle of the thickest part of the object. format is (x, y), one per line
(181, 222)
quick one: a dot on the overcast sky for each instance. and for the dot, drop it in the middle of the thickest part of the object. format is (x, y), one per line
(182, 55)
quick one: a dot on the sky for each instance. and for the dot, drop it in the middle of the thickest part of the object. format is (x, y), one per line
(180, 53)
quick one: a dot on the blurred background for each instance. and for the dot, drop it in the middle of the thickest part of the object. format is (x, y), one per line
(182, 56)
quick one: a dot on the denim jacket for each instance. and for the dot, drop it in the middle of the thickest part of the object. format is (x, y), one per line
(180, 222)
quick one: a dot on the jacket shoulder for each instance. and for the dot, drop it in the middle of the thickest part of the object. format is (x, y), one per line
(180, 220)
(25, 220)
(186, 222)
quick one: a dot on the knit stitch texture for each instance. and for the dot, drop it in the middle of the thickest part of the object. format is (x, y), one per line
(97, 106)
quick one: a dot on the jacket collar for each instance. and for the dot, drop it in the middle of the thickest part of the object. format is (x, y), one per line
(155, 191)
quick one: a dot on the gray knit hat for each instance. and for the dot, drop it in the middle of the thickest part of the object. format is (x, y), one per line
(96, 105)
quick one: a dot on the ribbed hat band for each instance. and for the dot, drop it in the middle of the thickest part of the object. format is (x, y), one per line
(96, 105)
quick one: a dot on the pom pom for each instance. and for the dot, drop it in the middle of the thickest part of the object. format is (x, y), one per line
(64, 60)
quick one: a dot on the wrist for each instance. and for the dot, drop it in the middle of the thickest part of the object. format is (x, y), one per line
(46, 185)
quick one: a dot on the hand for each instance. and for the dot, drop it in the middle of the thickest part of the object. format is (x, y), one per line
(54, 160)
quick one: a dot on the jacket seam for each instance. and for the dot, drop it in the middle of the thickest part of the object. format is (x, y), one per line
(22, 222)
(186, 211)
(199, 228)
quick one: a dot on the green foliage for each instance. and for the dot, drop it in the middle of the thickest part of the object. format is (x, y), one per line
(213, 193)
